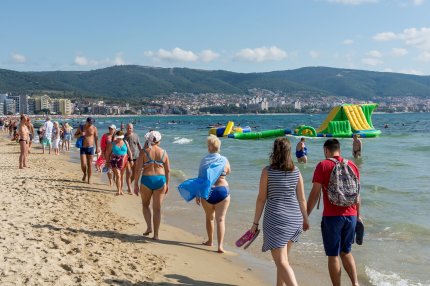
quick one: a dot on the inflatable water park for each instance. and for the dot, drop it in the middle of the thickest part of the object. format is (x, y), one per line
(343, 121)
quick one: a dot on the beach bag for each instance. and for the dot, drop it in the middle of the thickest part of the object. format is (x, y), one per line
(103, 143)
(80, 142)
(343, 188)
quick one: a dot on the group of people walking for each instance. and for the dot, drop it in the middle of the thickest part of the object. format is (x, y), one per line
(281, 195)
(282, 199)
(286, 211)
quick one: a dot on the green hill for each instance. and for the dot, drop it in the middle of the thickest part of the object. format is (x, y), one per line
(135, 82)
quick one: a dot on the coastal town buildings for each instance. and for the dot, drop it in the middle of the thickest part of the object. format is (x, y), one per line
(254, 101)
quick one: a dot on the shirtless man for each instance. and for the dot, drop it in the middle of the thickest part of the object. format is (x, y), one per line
(89, 131)
(24, 138)
(356, 146)
(301, 151)
(134, 143)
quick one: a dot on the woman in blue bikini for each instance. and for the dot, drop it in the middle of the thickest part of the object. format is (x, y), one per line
(153, 173)
(117, 153)
(217, 203)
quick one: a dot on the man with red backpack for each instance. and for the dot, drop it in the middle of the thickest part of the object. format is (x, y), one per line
(338, 179)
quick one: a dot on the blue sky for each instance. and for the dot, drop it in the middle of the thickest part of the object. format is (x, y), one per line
(235, 35)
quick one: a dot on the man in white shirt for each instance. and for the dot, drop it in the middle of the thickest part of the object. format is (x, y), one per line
(47, 134)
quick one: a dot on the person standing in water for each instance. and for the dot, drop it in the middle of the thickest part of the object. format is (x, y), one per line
(356, 146)
(90, 142)
(301, 151)
(338, 225)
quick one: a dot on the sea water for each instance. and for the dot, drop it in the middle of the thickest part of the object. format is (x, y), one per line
(395, 178)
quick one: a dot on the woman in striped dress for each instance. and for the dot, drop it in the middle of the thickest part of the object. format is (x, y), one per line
(285, 217)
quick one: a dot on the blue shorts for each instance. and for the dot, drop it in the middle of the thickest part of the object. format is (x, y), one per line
(338, 234)
(87, 150)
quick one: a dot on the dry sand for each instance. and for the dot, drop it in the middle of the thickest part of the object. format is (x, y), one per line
(57, 230)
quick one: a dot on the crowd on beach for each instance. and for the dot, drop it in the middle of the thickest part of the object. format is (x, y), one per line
(145, 168)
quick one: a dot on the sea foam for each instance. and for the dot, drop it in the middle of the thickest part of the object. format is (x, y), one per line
(179, 140)
(387, 279)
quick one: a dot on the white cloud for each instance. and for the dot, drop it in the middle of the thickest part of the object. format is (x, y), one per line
(424, 57)
(18, 58)
(411, 71)
(180, 55)
(348, 42)
(406, 71)
(208, 55)
(81, 61)
(261, 54)
(118, 60)
(176, 54)
(314, 54)
(398, 52)
(353, 2)
(84, 61)
(374, 54)
(372, 61)
(417, 2)
(385, 36)
(419, 38)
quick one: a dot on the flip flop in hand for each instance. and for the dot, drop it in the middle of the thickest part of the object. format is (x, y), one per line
(254, 236)
(244, 238)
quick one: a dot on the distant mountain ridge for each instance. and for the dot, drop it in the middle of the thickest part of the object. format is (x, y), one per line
(134, 82)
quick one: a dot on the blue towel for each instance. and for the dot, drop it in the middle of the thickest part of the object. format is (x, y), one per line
(211, 167)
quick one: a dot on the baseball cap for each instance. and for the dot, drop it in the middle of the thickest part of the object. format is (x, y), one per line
(112, 127)
(90, 120)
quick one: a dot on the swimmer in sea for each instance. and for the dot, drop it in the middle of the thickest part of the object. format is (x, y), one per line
(356, 147)
(301, 151)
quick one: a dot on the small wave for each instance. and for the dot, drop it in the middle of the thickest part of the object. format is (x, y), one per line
(424, 148)
(178, 174)
(387, 279)
(179, 140)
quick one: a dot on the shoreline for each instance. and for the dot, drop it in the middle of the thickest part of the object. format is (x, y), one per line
(61, 230)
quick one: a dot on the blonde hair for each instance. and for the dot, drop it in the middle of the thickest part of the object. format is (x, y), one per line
(214, 144)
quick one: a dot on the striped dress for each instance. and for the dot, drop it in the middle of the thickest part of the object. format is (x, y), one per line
(283, 220)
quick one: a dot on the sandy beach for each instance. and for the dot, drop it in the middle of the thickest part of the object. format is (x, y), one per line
(57, 230)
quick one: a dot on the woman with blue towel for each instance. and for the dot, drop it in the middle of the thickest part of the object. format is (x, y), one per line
(211, 190)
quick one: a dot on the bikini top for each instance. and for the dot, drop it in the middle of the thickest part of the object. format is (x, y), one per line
(119, 151)
(150, 160)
